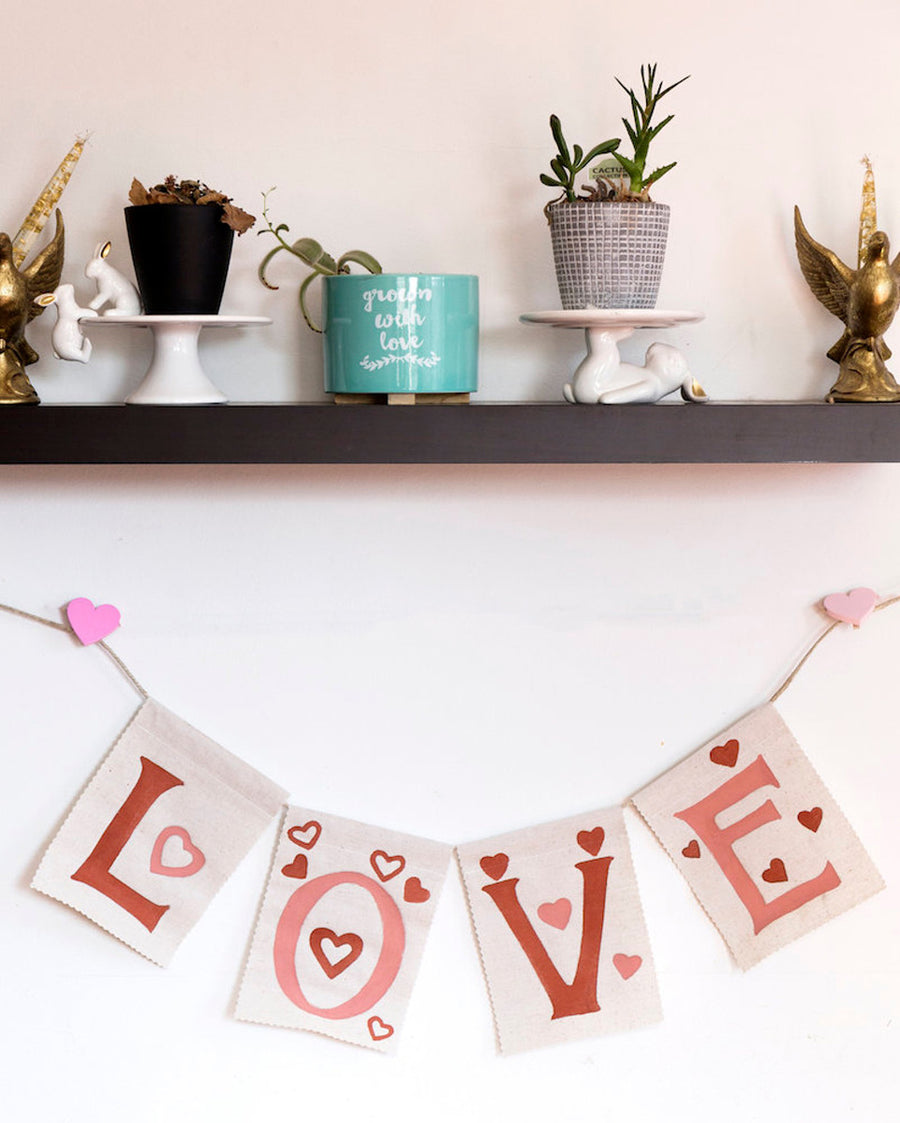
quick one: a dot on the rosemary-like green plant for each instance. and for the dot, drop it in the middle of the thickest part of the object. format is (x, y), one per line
(641, 132)
(312, 255)
(566, 164)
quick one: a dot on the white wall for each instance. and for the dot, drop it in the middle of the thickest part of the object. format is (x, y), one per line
(448, 651)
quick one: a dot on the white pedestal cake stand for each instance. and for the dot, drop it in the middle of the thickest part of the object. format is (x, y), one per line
(175, 376)
(604, 328)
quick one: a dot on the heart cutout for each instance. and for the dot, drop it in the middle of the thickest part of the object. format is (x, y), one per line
(386, 865)
(726, 754)
(851, 608)
(196, 858)
(692, 850)
(811, 819)
(379, 1030)
(307, 835)
(415, 892)
(92, 624)
(776, 872)
(591, 841)
(327, 946)
(627, 965)
(298, 867)
(556, 913)
(494, 865)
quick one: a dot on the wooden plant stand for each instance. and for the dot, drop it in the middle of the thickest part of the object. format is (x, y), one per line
(402, 399)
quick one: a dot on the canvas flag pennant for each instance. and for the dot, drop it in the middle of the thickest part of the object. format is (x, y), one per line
(158, 830)
(562, 936)
(342, 928)
(758, 836)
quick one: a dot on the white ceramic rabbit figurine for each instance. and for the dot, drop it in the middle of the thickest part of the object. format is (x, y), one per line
(603, 378)
(66, 338)
(111, 285)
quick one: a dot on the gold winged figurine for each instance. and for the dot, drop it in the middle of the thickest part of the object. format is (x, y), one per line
(18, 288)
(865, 299)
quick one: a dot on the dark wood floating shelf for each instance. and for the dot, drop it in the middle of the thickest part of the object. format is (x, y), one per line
(517, 433)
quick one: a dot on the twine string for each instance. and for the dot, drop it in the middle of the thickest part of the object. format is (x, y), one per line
(101, 643)
(126, 671)
(812, 647)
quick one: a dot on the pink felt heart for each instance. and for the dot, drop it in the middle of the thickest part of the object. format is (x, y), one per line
(851, 608)
(556, 913)
(626, 965)
(196, 857)
(92, 624)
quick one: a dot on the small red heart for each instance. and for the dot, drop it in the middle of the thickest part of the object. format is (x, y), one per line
(626, 965)
(776, 872)
(307, 835)
(811, 819)
(726, 754)
(591, 841)
(379, 1030)
(692, 850)
(414, 891)
(494, 865)
(386, 865)
(325, 945)
(297, 868)
(556, 913)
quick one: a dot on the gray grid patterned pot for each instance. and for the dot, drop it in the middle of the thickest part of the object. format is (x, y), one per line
(609, 255)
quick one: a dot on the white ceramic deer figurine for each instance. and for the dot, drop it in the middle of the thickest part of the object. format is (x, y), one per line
(67, 339)
(111, 285)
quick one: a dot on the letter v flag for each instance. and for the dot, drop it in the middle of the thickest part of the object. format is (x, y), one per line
(559, 925)
(758, 836)
(161, 826)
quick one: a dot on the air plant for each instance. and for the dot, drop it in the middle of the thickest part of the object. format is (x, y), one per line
(312, 255)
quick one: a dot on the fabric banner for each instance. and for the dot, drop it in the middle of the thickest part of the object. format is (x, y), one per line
(160, 827)
(342, 928)
(559, 923)
(758, 836)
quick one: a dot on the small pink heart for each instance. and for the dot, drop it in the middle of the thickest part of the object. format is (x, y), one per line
(556, 913)
(196, 857)
(626, 965)
(92, 624)
(851, 608)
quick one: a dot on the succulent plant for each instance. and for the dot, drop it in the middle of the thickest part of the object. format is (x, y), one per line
(641, 132)
(609, 186)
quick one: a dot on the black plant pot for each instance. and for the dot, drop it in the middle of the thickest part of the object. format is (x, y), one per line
(181, 254)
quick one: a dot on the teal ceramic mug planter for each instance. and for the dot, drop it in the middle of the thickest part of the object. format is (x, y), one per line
(395, 333)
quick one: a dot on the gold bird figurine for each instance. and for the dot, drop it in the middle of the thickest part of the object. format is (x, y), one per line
(865, 299)
(18, 288)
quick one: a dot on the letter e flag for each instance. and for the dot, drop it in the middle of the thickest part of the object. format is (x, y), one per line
(561, 933)
(761, 841)
(158, 830)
